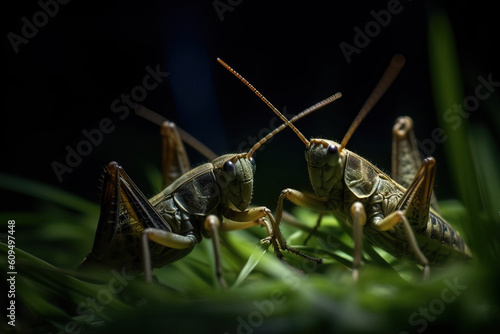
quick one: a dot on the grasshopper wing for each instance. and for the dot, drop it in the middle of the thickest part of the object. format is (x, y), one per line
(361, 177)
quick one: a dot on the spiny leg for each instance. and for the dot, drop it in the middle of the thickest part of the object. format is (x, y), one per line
(235, 220)
(405, 155)
(300, 199)
(108, 218)
(244, 217)
(416, 200)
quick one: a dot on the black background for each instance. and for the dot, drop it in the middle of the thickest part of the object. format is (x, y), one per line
(65, 78)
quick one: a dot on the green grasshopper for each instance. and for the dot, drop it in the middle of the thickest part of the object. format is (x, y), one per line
(398, 215)
(194, 203)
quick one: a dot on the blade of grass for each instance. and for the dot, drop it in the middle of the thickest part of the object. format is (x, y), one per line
(448, 92)
(46, 193)
(253, 260)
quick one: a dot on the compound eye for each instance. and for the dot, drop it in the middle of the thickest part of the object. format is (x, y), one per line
(332, 155)
(229, 171)
(254, 165)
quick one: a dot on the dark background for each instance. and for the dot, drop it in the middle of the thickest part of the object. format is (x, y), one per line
(65, 78)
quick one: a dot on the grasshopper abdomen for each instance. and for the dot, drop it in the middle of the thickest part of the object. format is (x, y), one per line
(443, 242)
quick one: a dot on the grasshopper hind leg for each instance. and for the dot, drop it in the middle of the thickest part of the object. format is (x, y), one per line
(108, 219)
(413, 210)
(406, 158)
(175, 161)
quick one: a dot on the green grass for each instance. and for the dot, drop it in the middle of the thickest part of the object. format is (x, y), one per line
(266, 295)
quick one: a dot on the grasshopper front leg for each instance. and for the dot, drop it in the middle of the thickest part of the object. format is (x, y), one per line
(357, 213)
(254, 216)
(300, 199)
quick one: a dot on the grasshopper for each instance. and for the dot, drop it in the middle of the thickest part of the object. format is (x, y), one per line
(398, 215)
(195, 203)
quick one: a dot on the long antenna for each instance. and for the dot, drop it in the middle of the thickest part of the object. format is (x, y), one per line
(390, 74)
(304, 113)
(269, 104)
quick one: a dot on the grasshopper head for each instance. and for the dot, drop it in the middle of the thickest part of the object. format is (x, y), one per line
(235, 173)
(326, 159)
(325, 163)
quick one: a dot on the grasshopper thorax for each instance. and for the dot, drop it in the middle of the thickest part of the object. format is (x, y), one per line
(235, 174)
(325, 163)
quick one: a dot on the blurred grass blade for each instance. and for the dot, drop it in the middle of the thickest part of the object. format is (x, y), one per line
(448, 92)
(485, 159)
(254, 259)
(46, 193)
(42, 272)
